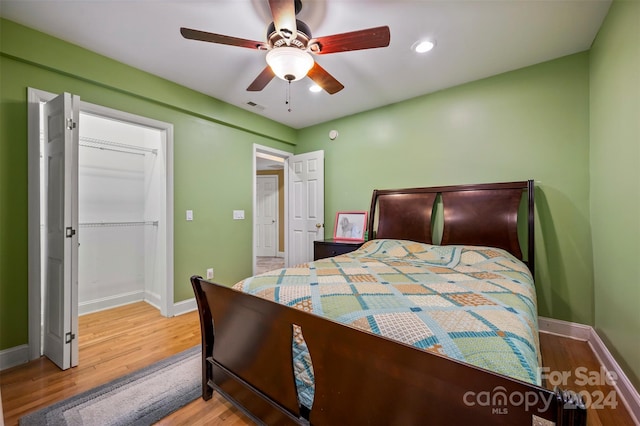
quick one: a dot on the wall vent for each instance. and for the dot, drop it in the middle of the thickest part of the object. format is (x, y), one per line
(255, 105)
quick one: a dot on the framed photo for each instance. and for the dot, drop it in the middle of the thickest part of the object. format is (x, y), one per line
(350, 226)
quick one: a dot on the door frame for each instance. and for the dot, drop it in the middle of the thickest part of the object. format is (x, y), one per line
(34, 98)
(284, 155)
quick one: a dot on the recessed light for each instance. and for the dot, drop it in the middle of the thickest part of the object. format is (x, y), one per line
(315, 88)
(423, 46)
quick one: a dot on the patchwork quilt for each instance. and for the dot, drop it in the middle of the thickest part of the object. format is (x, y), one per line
(473, 304)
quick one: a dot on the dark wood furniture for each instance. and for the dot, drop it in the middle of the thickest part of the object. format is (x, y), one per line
(361, 378)
(330, 247)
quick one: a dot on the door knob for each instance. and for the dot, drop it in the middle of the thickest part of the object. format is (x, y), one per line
(318, 225)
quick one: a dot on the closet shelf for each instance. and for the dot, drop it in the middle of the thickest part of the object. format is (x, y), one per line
(101, 143)
(101, 224)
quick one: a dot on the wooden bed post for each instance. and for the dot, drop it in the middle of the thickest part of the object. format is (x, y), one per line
(206, 330)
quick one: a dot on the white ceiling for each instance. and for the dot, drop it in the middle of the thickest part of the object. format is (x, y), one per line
(474, 39)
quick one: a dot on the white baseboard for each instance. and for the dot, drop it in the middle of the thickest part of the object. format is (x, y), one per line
(110, 302)
(185, 306)
(626, 392)
(153, 299)
(564, 328)
(14, 356)
(280, 254)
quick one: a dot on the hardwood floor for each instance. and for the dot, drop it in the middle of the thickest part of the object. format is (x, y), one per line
(113, 343)
(265, 264)
(576, 361)
(121, 340)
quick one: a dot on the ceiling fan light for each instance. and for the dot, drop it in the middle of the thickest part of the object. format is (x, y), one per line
(289, 63)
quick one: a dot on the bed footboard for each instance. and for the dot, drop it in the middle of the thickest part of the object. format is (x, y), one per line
(360, 378)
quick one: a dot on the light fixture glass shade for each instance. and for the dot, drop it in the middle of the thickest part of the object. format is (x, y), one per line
(289, 63)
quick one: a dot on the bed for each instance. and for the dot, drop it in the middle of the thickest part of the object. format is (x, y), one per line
(400, 331)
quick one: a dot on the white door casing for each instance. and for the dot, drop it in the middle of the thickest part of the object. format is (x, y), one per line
(306, 205)
(61, 181)
(266, 215)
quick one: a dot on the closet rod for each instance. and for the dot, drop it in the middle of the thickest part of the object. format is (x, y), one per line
(100, 224)
(111, 149)
(116, 144)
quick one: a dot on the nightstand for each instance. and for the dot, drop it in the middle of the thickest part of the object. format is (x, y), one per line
(329, 248)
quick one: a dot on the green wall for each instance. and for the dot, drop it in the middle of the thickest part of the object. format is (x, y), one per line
(615, 183)
(213, 151)
(530, 123)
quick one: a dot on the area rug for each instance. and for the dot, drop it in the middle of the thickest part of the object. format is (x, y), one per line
(140, 398)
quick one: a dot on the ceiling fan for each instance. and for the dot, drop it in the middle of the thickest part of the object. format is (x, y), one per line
(290, 46)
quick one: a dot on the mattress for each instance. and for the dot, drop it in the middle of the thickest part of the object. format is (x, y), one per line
(472, 304)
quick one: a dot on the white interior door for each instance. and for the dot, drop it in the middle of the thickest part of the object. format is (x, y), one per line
(306, 205)
(266, 215)
(61, 181)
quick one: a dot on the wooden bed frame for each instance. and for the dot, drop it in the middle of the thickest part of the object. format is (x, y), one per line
(361, 378)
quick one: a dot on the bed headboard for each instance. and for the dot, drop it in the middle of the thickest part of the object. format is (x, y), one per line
(478, 215)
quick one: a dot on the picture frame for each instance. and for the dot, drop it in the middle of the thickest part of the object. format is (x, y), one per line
(350, 225)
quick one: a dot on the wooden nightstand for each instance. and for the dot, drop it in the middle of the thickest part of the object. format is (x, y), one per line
(329, 248)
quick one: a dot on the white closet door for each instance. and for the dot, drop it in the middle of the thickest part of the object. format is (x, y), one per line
(61, 182)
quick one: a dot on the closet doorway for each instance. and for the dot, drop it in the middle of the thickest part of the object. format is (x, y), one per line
(124, 175)
(120, 204)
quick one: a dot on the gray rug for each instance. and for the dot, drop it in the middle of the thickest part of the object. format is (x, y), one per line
(139, 398)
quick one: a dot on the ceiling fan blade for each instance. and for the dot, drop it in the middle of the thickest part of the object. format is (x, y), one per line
(262, 80)
(325, 80)
(370, 38)
(192, 34)
(284, 17)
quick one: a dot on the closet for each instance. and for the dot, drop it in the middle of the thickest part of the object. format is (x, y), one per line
(120, 205)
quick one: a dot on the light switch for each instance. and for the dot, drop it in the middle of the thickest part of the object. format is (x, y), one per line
(189, 214)
(238, 214)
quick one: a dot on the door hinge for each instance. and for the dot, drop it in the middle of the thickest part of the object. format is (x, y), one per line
(69, 337)
(71, 124)
(70, 232)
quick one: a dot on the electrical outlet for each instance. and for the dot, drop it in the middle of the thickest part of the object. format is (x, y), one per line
(210, 273)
